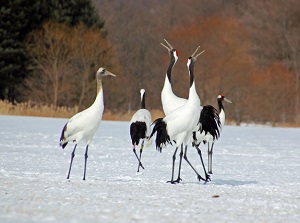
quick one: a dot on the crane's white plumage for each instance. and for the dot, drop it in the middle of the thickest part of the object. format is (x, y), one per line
(83, 125)
(140, 127)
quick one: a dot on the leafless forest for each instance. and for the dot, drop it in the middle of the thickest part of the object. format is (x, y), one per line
(251, 55)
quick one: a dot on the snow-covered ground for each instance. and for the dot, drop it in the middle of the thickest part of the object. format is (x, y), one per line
(256, 177)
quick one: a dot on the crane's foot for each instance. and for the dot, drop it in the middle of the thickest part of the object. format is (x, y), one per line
(207, 178)
(175, 181)
(201, 178)
(171, 181)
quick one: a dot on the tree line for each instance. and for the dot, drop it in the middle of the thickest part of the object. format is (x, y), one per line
(50, 51)
(38, 49)
(251, 52)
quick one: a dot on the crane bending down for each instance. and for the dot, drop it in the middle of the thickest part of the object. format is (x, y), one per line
(212, 136)
(84, 124)
(140, 128)
(179, 124)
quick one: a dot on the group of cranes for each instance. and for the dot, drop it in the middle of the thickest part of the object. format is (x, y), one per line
(185, 122)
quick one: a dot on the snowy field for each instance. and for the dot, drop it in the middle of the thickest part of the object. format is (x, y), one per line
(256, 177)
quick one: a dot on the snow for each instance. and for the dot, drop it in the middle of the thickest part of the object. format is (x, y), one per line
(256, 177)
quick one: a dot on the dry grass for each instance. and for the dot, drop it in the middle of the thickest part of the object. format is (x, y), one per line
(32, 109)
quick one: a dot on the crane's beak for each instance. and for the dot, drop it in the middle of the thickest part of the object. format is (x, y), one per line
(169, 47)
(193, 55)
(165, 46)
(225, 99)
(109, 73)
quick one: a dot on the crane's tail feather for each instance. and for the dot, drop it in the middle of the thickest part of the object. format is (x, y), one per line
(162, 137)
(210, 121)
(62, 137)
(137, 132)
(63, 145)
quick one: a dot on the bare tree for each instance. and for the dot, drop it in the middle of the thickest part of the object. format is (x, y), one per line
(66, 60)
(89, 51)
(51, 55)
(274, 32)
(238, 38)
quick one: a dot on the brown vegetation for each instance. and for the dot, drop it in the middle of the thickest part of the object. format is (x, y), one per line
(33, 109)
(251, 56)
(65, 62)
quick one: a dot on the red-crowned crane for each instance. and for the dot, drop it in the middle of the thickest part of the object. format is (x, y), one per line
(169, 100)
(179, 124)
(84, 124)
(220, 99)
(214, 127)
(140, 128)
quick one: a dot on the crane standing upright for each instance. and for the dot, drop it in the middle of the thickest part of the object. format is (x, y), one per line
(169, 100)
(140, 128)
(84, 124)
(220, 99)
(215, 127)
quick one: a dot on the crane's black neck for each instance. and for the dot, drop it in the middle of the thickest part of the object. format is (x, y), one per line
(191, 70)
(220, 104)
(171, 65)
(143, 104)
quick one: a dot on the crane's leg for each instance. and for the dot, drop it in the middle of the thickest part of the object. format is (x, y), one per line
(72, 156)
(210, 152)
(141, 150)
(174, 158)
(140, 164)
(180, 161)
(85, 160)
(186, 159)
(207, 177)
